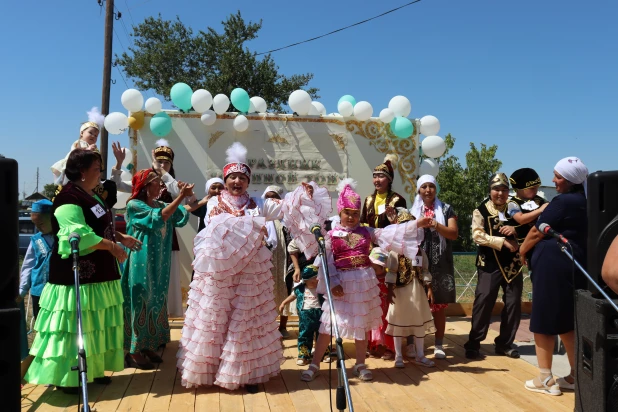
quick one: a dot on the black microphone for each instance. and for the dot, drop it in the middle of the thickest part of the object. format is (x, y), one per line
(547, 230)
(74, 239)
(316, 229)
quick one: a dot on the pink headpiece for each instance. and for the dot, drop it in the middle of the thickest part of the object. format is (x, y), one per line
(348, 198)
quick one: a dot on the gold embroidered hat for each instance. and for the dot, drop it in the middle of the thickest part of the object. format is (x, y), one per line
(386, 168)
(163, 151)
(499, 179)
(524, 178)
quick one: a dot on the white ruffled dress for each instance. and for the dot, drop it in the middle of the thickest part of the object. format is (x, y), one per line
(358, 311)
(230, 337)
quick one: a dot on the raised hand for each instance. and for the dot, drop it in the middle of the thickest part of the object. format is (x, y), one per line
(155, 165)
(391, 214)
(119, 153)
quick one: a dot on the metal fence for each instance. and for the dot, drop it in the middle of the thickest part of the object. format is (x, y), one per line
(466, 278)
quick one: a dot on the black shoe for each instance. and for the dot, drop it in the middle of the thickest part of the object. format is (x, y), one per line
(162, 346)
(152, 356)
(505, 351)
(103, 380)
(252, 388)
(69, 390)
(472, 354)
(132, 363)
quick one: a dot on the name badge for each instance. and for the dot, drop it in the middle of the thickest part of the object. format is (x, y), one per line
(502, 217)
(98, 210)
(530, 205)
(252, 212)
(339, 233)
(381, 209)
(417, 261)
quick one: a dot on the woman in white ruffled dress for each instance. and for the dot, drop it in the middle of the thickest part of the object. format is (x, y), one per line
(230, 337)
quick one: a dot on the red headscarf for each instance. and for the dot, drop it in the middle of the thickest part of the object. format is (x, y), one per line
(141, 179)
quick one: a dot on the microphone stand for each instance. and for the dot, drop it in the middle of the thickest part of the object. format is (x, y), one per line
(343, 385)
(564, 249)
(81, 367)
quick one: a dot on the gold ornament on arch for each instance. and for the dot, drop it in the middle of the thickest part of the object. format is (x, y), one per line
(382, 138)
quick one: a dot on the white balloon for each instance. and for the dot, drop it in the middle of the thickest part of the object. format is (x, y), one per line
(313, 111)
(433, 146)
(126, 176)
(363, 111)
(345, 108)
(300, 102)
(209, 118)
(387, 115)
(128, 158)
(116, 123)
(319, 107)
(430, 125)
(201, 100)
(153, 105)
(121, 200)
(241, 123)
(258, 104)
(221, 103)
(132, 100)
(429, 167)
(400, 105)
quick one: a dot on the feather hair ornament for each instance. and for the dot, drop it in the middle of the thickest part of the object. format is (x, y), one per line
(95, 116)
(236, 153)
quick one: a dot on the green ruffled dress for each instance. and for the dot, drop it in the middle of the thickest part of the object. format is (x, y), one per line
(55, 345)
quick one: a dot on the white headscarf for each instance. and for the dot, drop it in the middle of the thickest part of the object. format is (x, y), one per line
(417, 207)
(278, 190)
(573, 170)
(212, 181)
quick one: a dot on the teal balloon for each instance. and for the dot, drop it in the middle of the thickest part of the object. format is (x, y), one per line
(402, 127)
(437, 188)
(347, 98)
(181, 96)
(240, 100)
(161, 124)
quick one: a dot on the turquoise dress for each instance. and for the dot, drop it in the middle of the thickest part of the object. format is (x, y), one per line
(146, 275)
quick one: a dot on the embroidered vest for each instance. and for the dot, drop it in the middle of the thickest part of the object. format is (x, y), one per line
(97, 266)
(491, 259)
(522, 230)
(351, 252)
(40, 272)
(368, 214)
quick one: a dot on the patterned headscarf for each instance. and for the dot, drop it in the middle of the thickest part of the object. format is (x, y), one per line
(141, 179)
(435, 211)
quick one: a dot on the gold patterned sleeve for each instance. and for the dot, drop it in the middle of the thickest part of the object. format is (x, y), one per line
(480, 237)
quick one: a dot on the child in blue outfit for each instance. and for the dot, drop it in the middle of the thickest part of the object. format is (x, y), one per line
(35, 269)
(309, 306)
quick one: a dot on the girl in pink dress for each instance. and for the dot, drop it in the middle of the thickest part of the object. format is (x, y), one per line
(353, 282)
(230, 337)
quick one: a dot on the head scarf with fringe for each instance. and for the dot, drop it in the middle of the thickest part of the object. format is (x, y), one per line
(573, 170)
(435, 211)
(141, 179)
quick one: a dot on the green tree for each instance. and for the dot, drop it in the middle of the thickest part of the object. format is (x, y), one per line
(166, 52)
(49, 190)
(465, 187)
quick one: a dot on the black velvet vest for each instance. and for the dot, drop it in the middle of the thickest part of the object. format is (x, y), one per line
(97, 266)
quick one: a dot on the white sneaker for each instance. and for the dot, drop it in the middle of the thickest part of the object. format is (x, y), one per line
(411, 351)
(438, 352)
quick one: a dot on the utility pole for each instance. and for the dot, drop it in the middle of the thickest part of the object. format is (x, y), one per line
(37, 181)
(107, 77)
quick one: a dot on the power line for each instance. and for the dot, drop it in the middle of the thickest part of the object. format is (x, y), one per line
(338, 30)
(130, 16)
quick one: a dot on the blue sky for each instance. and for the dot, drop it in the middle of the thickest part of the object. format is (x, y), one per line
(537, 78)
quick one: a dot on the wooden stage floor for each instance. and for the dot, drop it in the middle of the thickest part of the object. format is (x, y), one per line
(456, 384)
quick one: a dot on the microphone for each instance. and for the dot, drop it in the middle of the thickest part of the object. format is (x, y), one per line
(316, 229)
(74, 239)
(547, 230)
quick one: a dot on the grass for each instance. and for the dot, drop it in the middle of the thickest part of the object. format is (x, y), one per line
(465, 271)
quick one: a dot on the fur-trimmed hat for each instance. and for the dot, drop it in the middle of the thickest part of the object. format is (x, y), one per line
(386, 168)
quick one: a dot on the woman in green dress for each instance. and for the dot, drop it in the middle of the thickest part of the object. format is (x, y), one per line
(78, 209)
(145, 281)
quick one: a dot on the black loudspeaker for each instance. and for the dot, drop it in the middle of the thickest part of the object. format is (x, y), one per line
(602, 220)
(9, 280)
(596, 346)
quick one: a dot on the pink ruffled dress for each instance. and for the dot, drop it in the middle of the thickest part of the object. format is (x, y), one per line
(358, 311)
(230, 337)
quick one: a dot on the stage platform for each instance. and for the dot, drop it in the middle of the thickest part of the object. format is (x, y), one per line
(495, 383)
